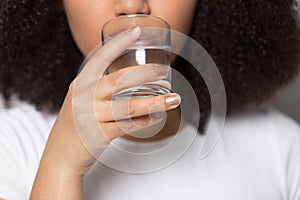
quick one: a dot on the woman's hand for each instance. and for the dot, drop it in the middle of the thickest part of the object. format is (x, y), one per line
(75, 139)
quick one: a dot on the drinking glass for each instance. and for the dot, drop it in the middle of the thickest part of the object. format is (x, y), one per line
(152, 47)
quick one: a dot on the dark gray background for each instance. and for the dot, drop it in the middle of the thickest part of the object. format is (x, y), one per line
(287, 99)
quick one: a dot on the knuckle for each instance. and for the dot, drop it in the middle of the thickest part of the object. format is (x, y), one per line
(152, 72)
(126, 125)
(129, 109)
(144, 122)
(157, 104)
(153, 104)
(159, 71)
(100, 117)
(106, 56)
(112, 80)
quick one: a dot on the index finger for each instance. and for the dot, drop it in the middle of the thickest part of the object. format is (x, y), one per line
(84, 87)
(104, 56)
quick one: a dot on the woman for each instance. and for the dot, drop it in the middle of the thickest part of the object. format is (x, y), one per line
(255, 45)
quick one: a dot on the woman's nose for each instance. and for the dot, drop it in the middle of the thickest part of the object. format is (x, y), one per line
(127, 7)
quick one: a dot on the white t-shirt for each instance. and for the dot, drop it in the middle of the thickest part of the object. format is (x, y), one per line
(256, 158)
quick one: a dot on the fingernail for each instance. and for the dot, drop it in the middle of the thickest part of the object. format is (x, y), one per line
(173, 100)
(134, 30)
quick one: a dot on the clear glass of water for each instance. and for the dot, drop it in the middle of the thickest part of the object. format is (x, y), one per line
(152, 47)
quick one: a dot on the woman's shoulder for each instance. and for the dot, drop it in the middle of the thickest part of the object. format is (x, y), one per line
(282, 126)
(24, 128)
(262, 130)
(23, 135)
(265, 129)
(286, 133)
(24, 117)
(266, 120)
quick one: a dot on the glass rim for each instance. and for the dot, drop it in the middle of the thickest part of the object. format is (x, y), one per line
(134, 15)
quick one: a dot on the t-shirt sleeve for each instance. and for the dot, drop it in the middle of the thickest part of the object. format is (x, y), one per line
(12, 164)
(289, 132)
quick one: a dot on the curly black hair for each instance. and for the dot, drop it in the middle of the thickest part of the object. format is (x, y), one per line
(255, 45)
(38, 56)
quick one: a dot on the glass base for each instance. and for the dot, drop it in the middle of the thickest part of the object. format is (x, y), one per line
(140, 92)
